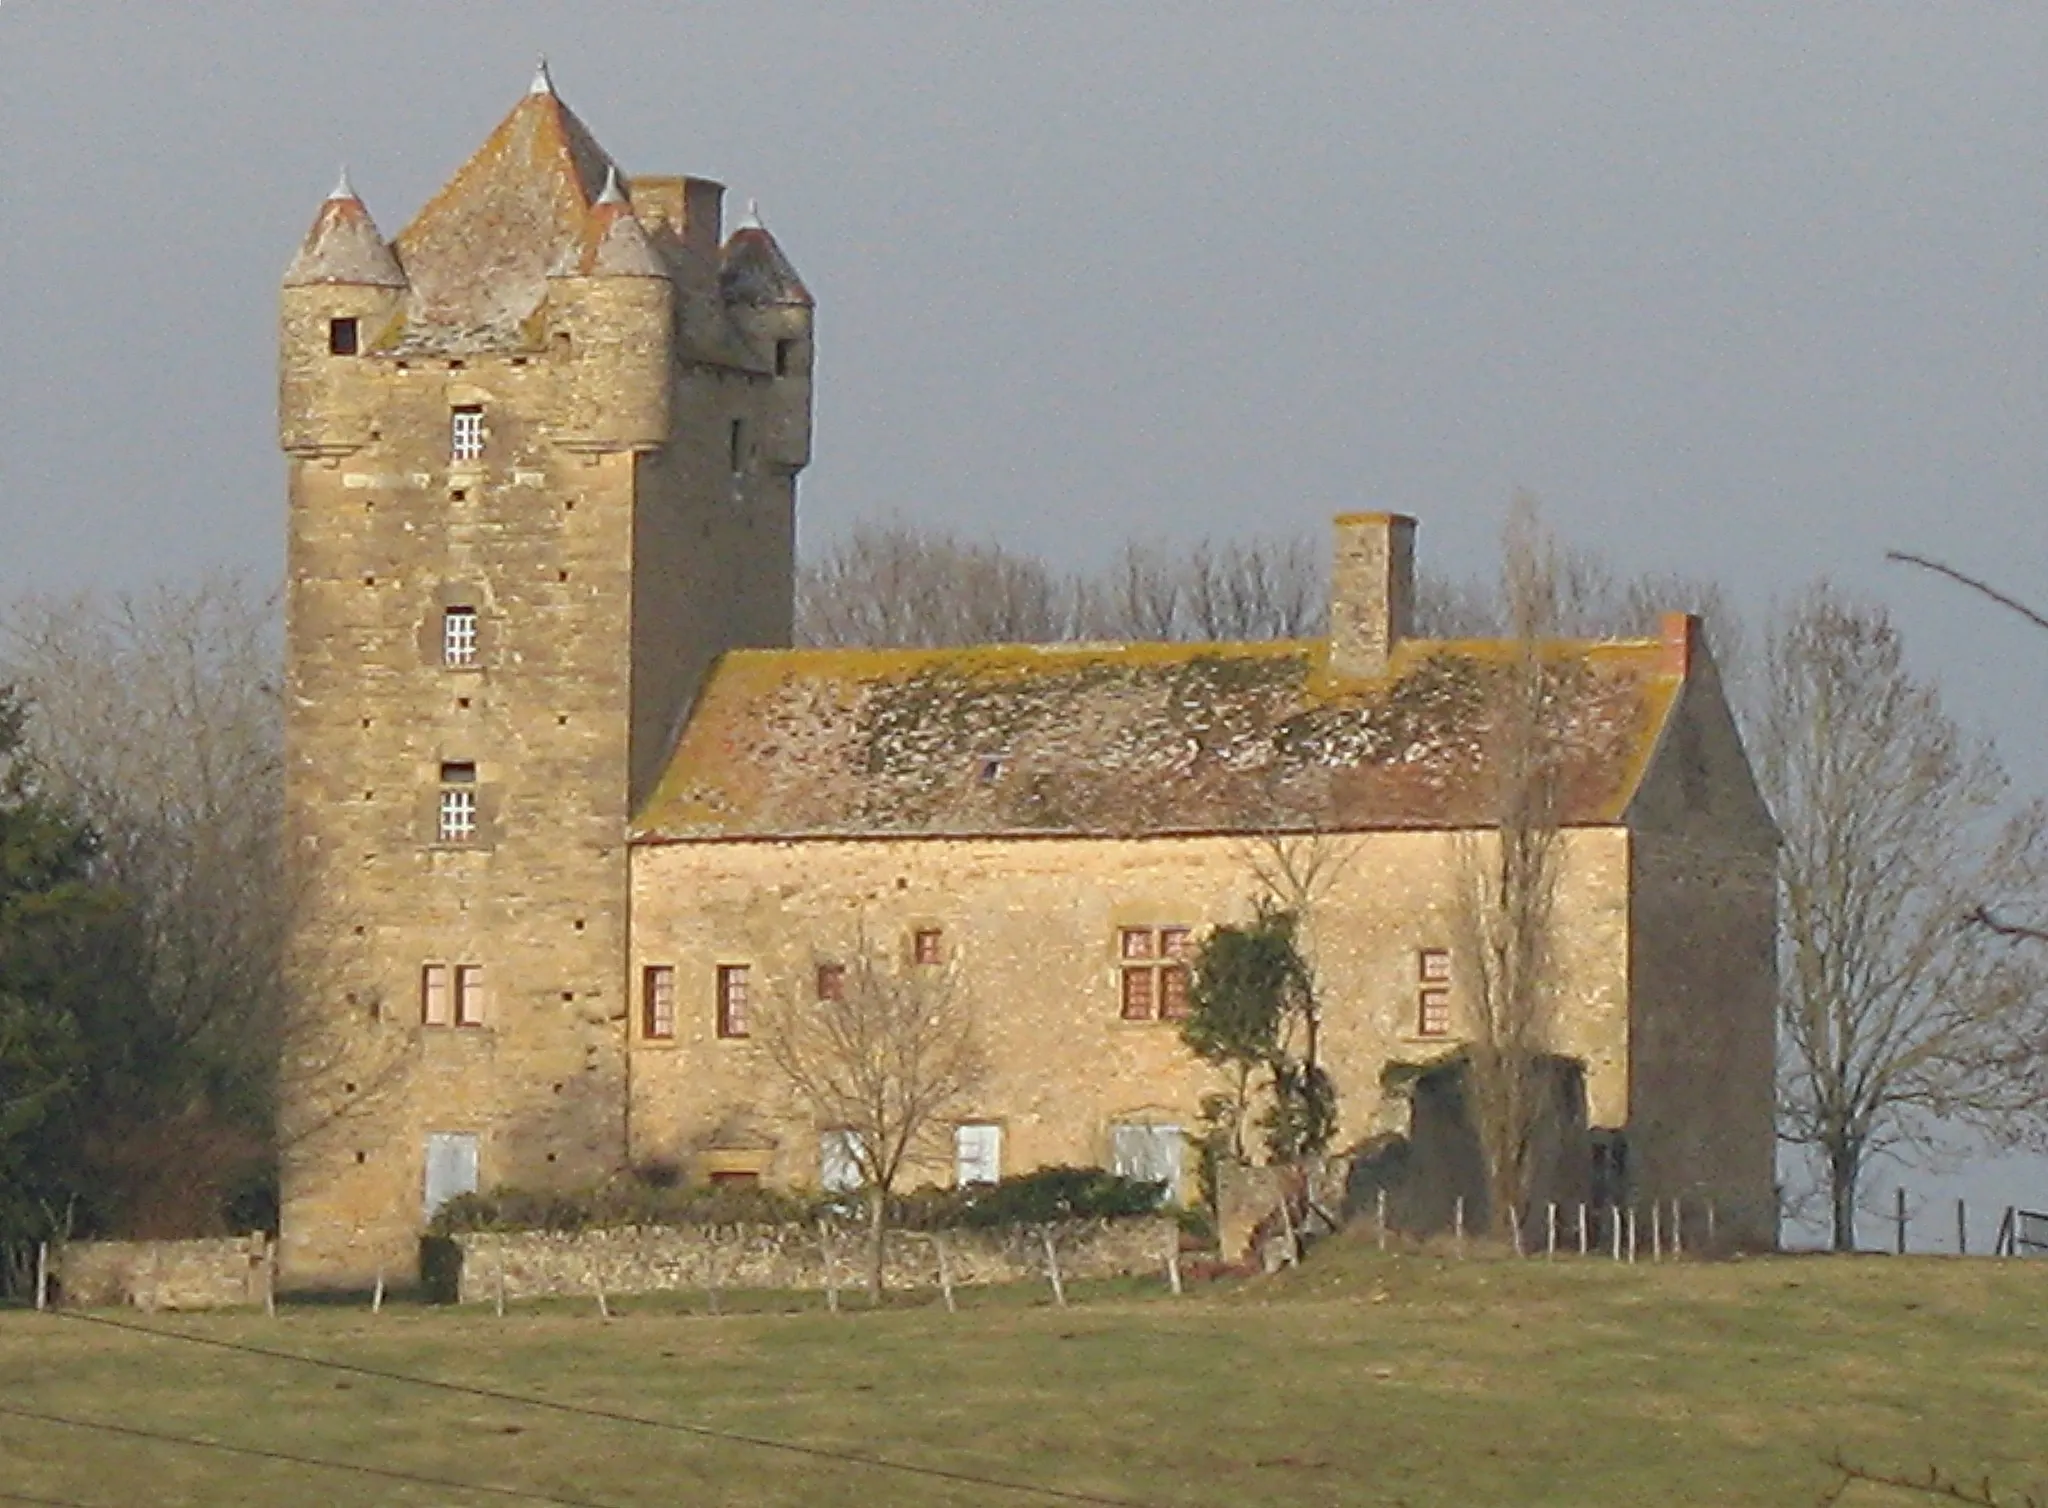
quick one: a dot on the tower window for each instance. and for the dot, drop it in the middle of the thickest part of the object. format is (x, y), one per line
(469, 994)
(736, 442)
(466, 432)
(434, 994)
(457, 811)
(342, 337)
(658, 1002)
(785, 357)
(732, 1000)
(458, 636)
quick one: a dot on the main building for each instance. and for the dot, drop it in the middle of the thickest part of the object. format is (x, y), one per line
(568, 811)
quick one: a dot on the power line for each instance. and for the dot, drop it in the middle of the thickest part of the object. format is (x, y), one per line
(164, 1437)
(589, 1411)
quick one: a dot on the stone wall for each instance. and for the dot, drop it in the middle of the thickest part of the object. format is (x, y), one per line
(211, 1274)
(660, 1259)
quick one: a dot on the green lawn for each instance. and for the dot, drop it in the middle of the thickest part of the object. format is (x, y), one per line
(1358, 1379)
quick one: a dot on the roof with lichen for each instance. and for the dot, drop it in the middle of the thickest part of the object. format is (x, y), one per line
(1142, 739)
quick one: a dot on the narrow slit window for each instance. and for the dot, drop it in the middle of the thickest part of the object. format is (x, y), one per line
(469, 994)
(658, 1002)
(736, 443)
(732, 999)
(458, 636)
(434, 1009)
(343, 337)
(466, 432)
(831, 981)
(457, 811)
(785, 357)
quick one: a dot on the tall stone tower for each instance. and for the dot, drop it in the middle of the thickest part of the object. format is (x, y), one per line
(543, 450)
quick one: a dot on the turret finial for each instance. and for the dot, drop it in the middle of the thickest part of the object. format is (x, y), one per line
(343, 189)
(541, 84)
(751, 220)
(613, 193)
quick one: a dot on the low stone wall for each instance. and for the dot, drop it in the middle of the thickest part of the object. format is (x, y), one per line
(655, 1259)
(211, 1274)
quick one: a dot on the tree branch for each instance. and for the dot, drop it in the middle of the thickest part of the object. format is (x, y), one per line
(1982, 588)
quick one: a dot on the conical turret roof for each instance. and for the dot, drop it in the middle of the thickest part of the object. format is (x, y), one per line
(753, 270)
(614, 243)
(344, 246)
(480, 251)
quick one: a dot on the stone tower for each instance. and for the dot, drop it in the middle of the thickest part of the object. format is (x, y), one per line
(542, 451)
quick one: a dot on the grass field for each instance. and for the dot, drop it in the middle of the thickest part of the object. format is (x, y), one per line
(1357, 1379)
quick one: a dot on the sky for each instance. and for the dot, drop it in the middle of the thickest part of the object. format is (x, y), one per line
(1749, 292)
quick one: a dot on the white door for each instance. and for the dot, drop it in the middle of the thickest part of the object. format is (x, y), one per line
(839, 1162)
(451, 1167)
(1148, 1153)
(977, 1154)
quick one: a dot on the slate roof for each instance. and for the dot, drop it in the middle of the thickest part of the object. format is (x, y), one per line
(1138, 739)
(343, 246)
(754, 270)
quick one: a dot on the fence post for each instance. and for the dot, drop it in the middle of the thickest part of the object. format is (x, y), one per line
(1614, 1211)
(1173, 1282)
(1379, 1220)
(1899, 1215)
(377, 1293)
(1962, 1230)
(2007, 1243)
(1582, 1227)
(1678, 1226)
(1458, 1226)
(1515, 1227)
(1052, 1267)
(1656, 1230)
(499, 1295)
(1711, 1246)
(42, 1276)
(1631, 1234)
(831, 1266)
(1549, 1229)
(270, 1278)
(946, 1273)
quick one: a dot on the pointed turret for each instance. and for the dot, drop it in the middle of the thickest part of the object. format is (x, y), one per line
(344, 246)
(614, 242)
(754, 270)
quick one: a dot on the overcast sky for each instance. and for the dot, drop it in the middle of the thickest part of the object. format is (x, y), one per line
(1748, 291)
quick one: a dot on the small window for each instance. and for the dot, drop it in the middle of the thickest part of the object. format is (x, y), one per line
(456, 822)
(1152, 972)
(785, 357)
(469, 994)
(466, 432)
(732, 999)
(342, 337)
(434, 1009)
(458, 636)
(658, 1002)
(1433, 966)
(977, 1154)
(831, 981)
(1433, 1019)
(928, 946)
(736, 443)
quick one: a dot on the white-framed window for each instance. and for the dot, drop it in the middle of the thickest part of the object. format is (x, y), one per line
(456, 821)
(658, 1002)
(839, 1161)
(1433, 999)
(734, 980)
(434, 1006)
(458, 636)
(469, 994)
(466, 432)
(1148, 1152)
(977, 1153)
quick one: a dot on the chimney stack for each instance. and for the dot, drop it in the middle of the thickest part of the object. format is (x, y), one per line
(1372, 592)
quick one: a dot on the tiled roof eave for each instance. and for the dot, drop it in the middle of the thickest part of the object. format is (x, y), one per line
(658, 838)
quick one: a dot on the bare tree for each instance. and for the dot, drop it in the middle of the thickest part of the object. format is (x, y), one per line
(1508, 876)
(1898, 1014)
(157, 716)
(896, 583)
(882, 1066)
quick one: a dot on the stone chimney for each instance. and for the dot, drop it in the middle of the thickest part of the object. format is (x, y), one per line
(1372, 592)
